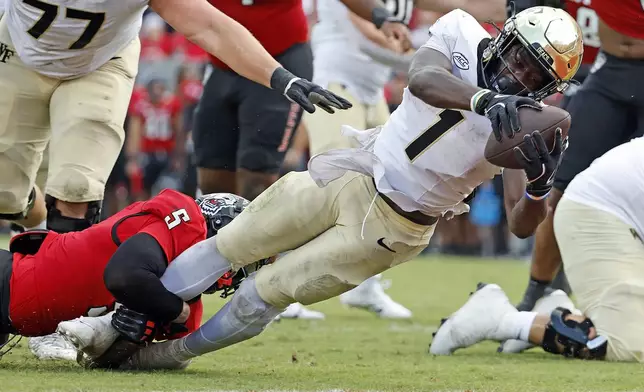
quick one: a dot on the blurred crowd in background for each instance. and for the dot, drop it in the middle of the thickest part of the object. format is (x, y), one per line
(169, 85)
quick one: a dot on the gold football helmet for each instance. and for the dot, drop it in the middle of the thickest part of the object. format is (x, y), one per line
(544, 40)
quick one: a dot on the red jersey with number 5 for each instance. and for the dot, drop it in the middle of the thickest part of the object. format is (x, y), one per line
(588, 21)
(64, 279)
(277, 25)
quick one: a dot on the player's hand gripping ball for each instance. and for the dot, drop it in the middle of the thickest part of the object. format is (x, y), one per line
(548, 121)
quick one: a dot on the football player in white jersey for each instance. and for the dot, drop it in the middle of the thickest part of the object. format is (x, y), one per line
(358, 212)
(67, 70)
(599, 226)
(355, 60)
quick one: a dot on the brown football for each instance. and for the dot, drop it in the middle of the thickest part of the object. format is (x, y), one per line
(545, 121)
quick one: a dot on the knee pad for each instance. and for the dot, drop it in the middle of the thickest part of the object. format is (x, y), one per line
(63, 224)
(570, 338)
(21, 215)
(320, 289)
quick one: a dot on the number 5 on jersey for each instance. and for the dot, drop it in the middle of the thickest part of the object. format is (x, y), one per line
(94, 20)
(447, 120)
(173, 220)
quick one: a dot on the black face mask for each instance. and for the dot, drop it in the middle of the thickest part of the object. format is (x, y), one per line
(507, 84)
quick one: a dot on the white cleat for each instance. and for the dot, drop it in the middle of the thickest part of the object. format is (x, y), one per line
(298, 311)
(52, 347)
(545, 305)
(91, 335)
(479, 319)
(370, 295)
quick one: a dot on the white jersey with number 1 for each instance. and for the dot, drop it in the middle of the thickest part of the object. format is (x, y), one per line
(425, 158)
(69, 38)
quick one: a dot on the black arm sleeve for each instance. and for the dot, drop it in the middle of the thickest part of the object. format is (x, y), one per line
(132, 276)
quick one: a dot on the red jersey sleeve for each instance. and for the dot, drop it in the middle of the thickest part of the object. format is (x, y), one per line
(180, 224)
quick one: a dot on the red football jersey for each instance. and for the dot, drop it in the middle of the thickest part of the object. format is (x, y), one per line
(277, 25)
(157, 122)
(624, 16)
(64, 280)
(588, 21)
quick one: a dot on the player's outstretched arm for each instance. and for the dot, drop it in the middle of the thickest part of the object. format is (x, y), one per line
(229, 41)
(526, 191)
(431, 80)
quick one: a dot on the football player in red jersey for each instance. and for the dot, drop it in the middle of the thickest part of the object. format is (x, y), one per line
(606, 111)
(156, 137)
(48, 278)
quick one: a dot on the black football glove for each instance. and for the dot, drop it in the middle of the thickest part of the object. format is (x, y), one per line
(305, 93)
(539, 164)
(503, 111)
(134, 326)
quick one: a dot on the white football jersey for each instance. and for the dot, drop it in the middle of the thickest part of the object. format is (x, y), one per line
(337, 57)
(69, 38)
(425, 158)
(614, 183)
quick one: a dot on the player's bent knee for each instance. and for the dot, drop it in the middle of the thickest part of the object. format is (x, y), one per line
(280, 291)
(320, 289)
(75, 186)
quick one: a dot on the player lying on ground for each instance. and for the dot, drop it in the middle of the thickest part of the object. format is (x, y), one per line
(358, 212)
(67, 69)
(47, 277)
(599, 226)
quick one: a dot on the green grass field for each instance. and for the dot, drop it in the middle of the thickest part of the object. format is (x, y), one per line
(352, 350)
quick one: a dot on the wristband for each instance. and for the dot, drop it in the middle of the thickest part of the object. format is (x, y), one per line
(281, 80)
(536, 198)
(474, 101)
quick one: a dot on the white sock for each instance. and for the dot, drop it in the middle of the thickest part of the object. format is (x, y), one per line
(517, 325)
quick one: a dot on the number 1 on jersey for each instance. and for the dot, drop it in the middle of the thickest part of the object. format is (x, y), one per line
(447, 119)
